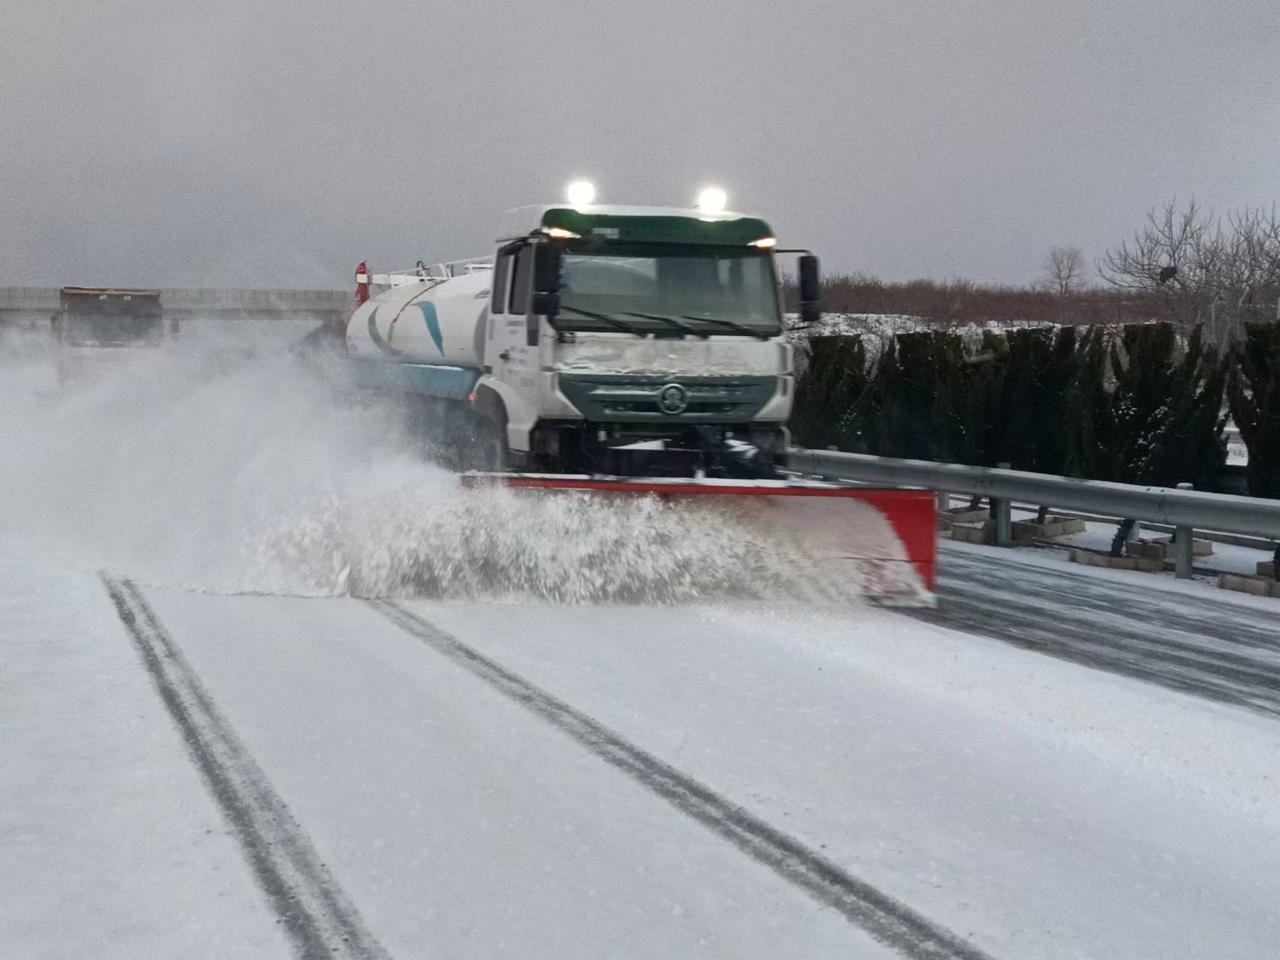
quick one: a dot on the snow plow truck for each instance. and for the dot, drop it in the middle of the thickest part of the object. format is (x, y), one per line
(625, 349)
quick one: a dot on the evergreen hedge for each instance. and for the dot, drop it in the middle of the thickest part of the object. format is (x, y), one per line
(1253, 386)
(1135, 404)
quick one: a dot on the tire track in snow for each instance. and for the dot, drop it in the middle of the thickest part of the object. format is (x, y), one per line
(319, 919)
(890, 921)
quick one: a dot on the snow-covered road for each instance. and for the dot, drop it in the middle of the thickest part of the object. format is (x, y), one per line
(433, 778)
(1212, 646)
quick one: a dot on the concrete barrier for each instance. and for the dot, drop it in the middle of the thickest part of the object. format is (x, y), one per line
(32, 306)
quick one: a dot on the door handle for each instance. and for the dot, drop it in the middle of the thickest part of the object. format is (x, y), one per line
(504, 355)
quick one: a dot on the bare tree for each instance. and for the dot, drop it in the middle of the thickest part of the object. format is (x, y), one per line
(1196, 268)
(1165, 261)
(1249, 270)
(1064, 270)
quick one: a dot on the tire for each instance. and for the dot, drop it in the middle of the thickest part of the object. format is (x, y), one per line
(489, 451)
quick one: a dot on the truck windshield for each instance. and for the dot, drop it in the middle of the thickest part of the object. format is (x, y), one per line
(108, 325)
(708, 290)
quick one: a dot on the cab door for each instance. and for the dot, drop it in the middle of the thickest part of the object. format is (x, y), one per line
(508, 352)
(495, 342)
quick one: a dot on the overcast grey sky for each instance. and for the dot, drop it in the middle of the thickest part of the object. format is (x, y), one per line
(237, 143)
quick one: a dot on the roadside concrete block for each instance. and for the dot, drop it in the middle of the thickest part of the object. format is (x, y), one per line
(1091, 559)
(1199, 548)
(965, 515)
(1163, 548)
(1145, 548)
(980, 534)
(1051, 528)
(1257, 586)
(1088, 558)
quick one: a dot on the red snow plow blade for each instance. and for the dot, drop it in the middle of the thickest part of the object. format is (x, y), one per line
(884, 540)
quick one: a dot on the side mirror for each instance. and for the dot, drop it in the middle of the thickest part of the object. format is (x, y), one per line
(810, 290)
(548, 259)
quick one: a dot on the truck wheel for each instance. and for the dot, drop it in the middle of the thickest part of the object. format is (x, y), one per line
(490, 451)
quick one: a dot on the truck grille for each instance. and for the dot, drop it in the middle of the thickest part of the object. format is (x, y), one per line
(627, 398)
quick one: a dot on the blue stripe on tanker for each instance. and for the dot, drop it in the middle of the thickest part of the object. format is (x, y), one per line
(429, 316)
(453, 383)
(376, 337)
(433, 324)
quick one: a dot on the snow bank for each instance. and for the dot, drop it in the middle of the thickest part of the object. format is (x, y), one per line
(892, 324)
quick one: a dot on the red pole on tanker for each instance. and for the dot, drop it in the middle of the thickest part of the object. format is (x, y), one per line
(362, 283)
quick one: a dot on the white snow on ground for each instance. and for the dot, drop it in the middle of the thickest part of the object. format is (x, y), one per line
(1237, 452)
(110, 845)
(1035, 807)
(459, 823)
(1042, 809)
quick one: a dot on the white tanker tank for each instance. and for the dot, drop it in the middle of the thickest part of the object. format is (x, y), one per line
(432, 320)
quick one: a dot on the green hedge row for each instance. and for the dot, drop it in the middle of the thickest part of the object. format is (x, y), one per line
(1135, 404)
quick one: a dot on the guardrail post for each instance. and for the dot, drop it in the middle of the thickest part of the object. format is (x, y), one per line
(1126, 532)
(1002, 513)
(829, 479)
(1184, 546)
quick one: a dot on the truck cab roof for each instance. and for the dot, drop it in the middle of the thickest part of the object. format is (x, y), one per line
(636, 224)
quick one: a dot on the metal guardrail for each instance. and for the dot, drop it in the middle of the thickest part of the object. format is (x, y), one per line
(1184, 509)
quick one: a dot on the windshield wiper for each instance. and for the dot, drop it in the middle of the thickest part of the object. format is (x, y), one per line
(604, 318)
(675, 322)
(730, 325)
(678, 324)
